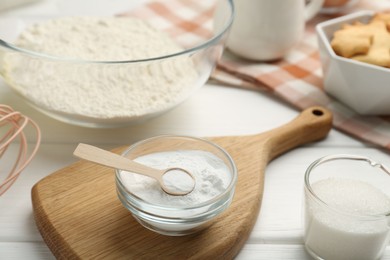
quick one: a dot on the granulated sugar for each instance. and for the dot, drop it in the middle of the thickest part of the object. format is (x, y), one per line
(352, 196)
(348, 235)
(100, 90)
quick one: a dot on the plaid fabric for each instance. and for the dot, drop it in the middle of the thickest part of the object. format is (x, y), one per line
(187, 21)
(297, 79)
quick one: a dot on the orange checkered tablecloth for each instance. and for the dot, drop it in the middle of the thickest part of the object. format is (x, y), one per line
(297, 79)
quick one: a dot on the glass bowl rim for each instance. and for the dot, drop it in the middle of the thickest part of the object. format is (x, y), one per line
(333, 157)
(226, 193)
(204, 44)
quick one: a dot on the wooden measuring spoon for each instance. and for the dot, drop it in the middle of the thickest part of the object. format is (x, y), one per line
(167, 178)
(79, 216)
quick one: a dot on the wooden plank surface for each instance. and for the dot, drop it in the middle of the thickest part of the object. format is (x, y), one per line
(283, 191)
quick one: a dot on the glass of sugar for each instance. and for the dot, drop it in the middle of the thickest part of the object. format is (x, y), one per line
(347, 208)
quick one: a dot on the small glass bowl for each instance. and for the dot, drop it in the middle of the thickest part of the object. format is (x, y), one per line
(183, 219)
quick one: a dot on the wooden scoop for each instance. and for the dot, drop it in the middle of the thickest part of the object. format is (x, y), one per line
(167, 178)
(79, 215)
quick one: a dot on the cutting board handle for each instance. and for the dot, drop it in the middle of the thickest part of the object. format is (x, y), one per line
(310, 125)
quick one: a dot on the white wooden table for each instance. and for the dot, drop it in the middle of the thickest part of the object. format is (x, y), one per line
(213, 111)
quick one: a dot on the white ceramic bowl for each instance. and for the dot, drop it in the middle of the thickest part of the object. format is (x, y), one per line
(363, 87)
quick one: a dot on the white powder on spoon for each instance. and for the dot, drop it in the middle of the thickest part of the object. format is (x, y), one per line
(177, 181)
(211, 174)
(101, 91)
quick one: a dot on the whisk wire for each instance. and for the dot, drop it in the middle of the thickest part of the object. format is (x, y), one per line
(16, 123)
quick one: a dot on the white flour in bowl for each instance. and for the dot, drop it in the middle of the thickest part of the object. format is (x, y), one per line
(100, 90)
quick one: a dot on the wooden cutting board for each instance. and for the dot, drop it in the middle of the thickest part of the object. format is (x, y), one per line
(79, 216)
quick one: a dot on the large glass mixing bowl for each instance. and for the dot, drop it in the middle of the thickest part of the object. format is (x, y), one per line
(85, 92)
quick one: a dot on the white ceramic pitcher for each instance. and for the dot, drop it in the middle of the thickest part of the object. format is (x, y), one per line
(267, 29)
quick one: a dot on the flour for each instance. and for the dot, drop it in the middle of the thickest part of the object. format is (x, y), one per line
(212, 177)
(100, 90)
(341, 236)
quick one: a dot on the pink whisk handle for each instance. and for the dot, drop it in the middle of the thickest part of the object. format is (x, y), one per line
(14, 123)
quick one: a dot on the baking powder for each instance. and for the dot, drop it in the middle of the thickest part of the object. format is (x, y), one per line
(100, 90)
(178, 181)
(211, 174)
